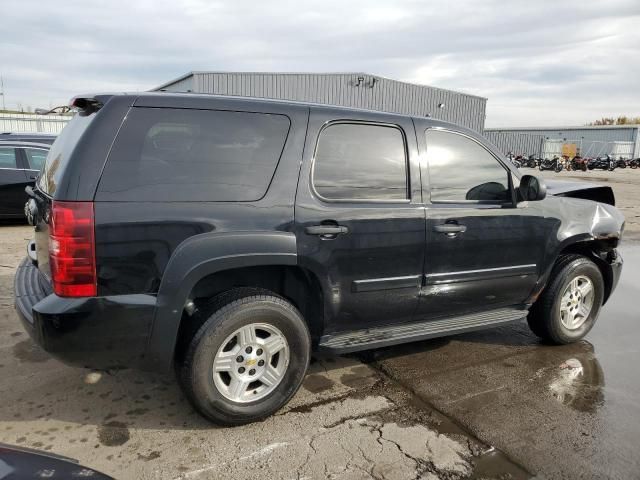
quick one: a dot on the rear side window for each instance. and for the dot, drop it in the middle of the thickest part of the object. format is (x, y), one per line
(7, 157)
(360, 162)
(463, 171)
(193, 155)
(35, 157)
(61, 151)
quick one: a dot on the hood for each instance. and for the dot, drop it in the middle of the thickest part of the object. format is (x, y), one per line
(17, 463)
(586, 190)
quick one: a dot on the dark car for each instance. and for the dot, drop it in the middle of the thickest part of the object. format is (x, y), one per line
(46, 138)
(19, 463)
(229, 237)
(20, 163)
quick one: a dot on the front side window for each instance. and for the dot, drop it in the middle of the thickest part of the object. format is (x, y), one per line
(461, 170)
(35, 157)
(360, 162)
(7, 157)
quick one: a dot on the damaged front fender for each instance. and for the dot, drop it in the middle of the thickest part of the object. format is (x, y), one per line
(584, 221)
(588, 228)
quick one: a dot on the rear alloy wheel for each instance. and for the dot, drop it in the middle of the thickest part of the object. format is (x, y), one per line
(570, 303)
(247, 359)
(251, 363)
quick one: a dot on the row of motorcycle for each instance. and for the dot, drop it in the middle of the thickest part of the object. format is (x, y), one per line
(559, 163)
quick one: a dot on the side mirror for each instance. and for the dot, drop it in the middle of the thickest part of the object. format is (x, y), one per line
(532, 188)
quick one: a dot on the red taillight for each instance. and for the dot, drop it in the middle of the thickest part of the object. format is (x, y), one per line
(72, 255)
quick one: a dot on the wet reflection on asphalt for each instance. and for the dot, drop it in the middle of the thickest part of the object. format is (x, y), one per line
(561, 411)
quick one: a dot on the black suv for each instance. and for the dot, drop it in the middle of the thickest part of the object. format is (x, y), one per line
(230, 237)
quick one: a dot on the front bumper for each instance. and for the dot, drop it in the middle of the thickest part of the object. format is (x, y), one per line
(615, 267)
(95, 332)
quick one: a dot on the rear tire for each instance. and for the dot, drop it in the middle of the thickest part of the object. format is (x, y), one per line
(253, 344)
(570, 303)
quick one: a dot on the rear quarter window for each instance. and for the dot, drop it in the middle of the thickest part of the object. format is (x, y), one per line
(61, 150)
(193, 155)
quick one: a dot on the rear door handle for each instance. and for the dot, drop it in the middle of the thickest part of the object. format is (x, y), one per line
(449, 228)
(326, 231)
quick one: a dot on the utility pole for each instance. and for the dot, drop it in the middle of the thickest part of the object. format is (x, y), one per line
(2, 92)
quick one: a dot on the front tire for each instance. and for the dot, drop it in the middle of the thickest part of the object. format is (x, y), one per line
(570, 304)
(248, 358)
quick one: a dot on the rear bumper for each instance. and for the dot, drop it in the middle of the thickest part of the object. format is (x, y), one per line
(94, 332)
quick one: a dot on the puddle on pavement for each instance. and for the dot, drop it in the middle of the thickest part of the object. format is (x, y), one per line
(27, 351)
(113, 434)
(495, 464)
(316, 383)
(577, 383)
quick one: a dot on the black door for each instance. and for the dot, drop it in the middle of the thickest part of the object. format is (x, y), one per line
(483, 250)
(13, 180)
(359, 217)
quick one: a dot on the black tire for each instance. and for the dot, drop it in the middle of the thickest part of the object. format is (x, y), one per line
(544, 317)
(227, 313)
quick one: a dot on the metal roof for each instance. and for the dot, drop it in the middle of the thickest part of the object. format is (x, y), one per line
(205, 72)
(560, 129)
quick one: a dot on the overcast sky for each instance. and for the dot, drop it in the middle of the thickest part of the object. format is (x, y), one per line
(538, 62)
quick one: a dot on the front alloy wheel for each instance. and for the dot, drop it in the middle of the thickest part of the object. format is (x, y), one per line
(576, 302)
(570, 303)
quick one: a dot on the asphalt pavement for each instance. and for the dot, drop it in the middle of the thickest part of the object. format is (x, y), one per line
(559, 411)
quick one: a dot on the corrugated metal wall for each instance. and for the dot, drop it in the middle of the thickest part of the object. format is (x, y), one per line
(183, 84)
(591, 141)
(19, 123)
(356, 90)
(517, 143)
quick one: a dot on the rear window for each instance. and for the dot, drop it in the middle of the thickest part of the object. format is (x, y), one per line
(193, 155)
(61, 150)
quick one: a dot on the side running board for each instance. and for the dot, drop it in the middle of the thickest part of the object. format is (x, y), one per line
(395, 334)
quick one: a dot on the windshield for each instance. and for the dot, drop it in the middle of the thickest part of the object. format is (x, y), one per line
(60, 152)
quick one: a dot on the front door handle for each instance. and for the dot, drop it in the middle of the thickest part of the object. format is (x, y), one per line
(450, 228)
(326, 231)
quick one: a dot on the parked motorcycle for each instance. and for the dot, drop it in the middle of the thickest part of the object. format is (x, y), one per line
(621, 163)
(531, 162)
(578, 163)
(602, 163)
(635, 163)
(554, 164)
(514, 160)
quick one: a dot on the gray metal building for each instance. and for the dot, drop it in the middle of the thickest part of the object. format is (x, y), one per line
(591, 141)
(358, 90)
